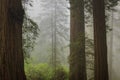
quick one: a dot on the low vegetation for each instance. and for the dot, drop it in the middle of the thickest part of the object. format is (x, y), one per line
(44, 72)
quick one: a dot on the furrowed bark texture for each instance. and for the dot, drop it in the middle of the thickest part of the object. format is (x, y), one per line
(77, 40)
(101, 66)
(11, 55)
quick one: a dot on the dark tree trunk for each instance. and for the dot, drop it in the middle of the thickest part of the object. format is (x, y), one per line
(77, 40)
(11, 55)
(101, 66)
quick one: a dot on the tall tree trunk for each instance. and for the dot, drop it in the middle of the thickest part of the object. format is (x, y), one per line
(11, 55)
(101, 66)
(77, 40)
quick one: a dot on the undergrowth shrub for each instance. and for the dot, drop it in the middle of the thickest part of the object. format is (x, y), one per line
(60, 74)
(44, 72)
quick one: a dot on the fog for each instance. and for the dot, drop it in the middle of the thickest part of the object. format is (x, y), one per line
(114, 51)
(42, 16)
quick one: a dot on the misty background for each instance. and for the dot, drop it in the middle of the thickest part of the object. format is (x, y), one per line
(48, 13)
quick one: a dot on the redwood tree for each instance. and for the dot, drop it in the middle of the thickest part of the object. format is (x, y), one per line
(101, 66)
(11, 55)
(77, 40)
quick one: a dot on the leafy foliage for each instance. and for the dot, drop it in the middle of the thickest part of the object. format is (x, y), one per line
(111, 3)
(60, 74)
(90, 58)
(44, 72)
(30, 34)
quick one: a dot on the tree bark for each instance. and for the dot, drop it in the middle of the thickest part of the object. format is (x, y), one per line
(11, 55)
(77, 40)
(101, 66)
